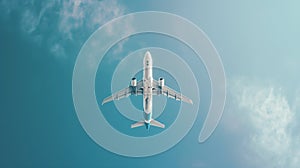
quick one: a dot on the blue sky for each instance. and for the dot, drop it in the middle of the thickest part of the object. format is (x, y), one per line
(258, 43)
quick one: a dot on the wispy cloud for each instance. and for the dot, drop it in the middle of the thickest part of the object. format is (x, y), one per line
(87, 14)
(58, 50)
(31, 19)
(269, 119)
(58, 23)
(6, 7)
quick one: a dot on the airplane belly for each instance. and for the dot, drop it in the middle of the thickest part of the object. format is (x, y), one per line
(148, 73)
(148, 103)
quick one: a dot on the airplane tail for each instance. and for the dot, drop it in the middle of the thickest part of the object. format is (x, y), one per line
(152, 122)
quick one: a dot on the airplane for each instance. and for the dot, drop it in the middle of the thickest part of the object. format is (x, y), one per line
(147, 87)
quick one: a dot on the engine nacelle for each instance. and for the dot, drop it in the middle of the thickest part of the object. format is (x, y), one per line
(133, 82)
(161, 82)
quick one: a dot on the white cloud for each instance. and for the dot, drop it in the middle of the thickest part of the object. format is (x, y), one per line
(272, 140)
(29, 21)
(70, 21)
(31, 18)
(87, 14)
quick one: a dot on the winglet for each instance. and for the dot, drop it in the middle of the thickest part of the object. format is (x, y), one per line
(108, 99)
(103, 102)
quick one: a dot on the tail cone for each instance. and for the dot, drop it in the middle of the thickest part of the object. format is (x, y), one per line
(147, 126)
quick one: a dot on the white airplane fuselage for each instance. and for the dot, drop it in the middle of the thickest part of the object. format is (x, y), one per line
(147, 89)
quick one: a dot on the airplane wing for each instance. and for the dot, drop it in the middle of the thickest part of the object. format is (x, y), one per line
(131, 90)
(167, 91)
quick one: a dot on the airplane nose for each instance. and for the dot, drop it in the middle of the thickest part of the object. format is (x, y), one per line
(148, 55)
(147, 59)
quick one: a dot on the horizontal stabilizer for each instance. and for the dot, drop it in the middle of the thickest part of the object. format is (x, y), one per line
(138, 124)
(157, 124)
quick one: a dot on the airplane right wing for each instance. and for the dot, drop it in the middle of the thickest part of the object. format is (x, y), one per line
(131, 90)
(167, 91)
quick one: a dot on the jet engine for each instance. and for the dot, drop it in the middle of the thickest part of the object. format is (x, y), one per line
(161, 82)
(133, 82)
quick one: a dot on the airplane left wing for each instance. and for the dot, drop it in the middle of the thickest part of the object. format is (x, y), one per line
(167, 91)
(131, 90)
